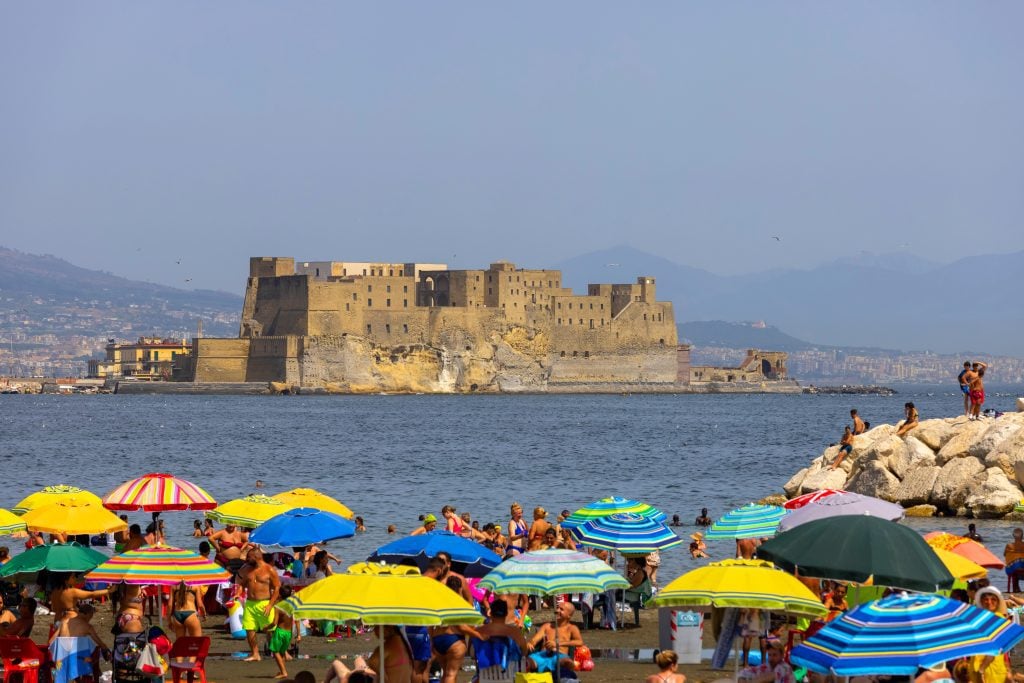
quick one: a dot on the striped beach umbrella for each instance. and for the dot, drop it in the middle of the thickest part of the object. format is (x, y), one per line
(551, 572)
(837, 506)
(626, 533)
(749, 521)
(52, 494)
(248, 512)
(741, 583)
(612, 506)
(159, 565)
(10, 523)
(899, 634)
(812, 497)
(158, 492)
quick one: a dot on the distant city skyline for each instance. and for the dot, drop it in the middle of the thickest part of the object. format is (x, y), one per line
(170, 142)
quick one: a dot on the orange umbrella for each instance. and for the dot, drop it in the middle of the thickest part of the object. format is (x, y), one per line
(964, 547)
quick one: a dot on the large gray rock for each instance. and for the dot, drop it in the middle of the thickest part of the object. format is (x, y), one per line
(914, 454)
(954, 482)
(993, 437)
(792, 487)
(916, 488)
(994, 496)
(873, 479)
(960, 445)
(1020, 405)
(1008, 454)
(823, 479)
(933, 433)
(882, 449)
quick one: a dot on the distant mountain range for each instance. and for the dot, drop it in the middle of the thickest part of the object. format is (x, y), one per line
(895, 301)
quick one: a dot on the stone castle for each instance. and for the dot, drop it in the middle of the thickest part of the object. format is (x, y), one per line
(419, 327)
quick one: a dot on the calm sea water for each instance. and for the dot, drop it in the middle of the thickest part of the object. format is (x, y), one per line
(392, 458)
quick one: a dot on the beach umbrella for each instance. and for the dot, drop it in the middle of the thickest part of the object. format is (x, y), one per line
(846, 504)
(301, 527)
(311, 498)
(899, 634)
(159, 565)
(627, 533)
(812, 497)
(960, 567)
(55, 557)
(741, 583)
(964, 547)
(750, 521)
(52, 494)
(612, 506)
(10, 523)
(248, 512)
(73, 515)
(156, 493)
(552, 572)
(381, 568)
(382, 598)
(473, 558)
(857, 548)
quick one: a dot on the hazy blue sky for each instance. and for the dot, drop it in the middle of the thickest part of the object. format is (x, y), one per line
(137, 133)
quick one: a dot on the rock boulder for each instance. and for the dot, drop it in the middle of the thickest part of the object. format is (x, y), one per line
(914, 454)
(994, 496)
(873, 479)
(823, 479)
(954, 481)
(993, 437)
(933, 433)
(916, 487)
(960, 445)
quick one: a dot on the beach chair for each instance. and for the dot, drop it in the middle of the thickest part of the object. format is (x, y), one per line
(24, 659)
(498, 660)
(188, 656)
(637, 597)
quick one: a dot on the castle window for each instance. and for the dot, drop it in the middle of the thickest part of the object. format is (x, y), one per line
(347, 307)
(369, 288)
(387, 328)
(661, 341)
(563, 354)
(369, 329)
(570, 306)
(659, 317)
(602, 307)
(510, 278)
(581, 321)
(478, 278)
(389, 289)
(602, 322)
(391, 272)
(364, 272)
(645, 316)
(586, 354)
(575, 353)
(591, 323)
(389, 303)
(559, 305)
(489, 292)
(318, 272)
(405, 303)
(405, 328)
(559, 321)
(405, 289)
(369, 303)
(570, 321)
(355, 297)
(399, 272)
(344, 271)
(549, 283)
(488, 278)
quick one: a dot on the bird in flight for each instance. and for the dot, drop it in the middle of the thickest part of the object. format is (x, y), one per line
(178, 262)
(611, 265)
(188, 279)
(776, 238)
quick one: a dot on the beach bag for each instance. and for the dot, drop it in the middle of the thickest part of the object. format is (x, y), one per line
(534, 678)
(150, 662)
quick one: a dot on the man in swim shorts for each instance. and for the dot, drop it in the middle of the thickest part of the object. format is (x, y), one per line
(965, 388)
(262, 587)
(977, 387)
(545, 657)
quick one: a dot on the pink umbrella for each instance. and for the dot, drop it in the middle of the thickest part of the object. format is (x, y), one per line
(812, 497)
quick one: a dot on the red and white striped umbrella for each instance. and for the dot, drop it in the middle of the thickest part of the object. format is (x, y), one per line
(812, 497)
(158, 493)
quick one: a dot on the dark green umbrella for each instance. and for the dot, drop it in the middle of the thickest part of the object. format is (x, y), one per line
(58, 557)
(856, 548)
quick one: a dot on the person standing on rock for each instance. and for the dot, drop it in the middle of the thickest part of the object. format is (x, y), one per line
(977, 386)
(965, 387)
(859, 427)
(845, 445)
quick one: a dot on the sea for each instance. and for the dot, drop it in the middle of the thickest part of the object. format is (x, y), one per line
(392, 458)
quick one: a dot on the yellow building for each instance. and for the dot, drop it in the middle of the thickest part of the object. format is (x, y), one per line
(150, 358)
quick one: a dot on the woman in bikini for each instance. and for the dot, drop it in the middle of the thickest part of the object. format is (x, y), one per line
(667, 661)
(128, 600)
(453, 524)
(64, 599)
(186, 611)
(539, 527)
(518, 530)
(230, 543)
(449, 645)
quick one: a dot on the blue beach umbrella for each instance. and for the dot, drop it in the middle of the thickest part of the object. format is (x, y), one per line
(302, 526)
(749, 521)
(627, 533)
(471, 558)
(899, 634)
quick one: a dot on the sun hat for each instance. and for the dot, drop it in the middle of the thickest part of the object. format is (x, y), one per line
(429, 518)
(697, 536)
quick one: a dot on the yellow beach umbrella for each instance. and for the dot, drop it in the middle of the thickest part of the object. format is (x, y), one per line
(381, 568)
(311, 498)
(248, 512)
(960, 567)
(10, 523)
(741, 583)
(52, 494)
(73, 515)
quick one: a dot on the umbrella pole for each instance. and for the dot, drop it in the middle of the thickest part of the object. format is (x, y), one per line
(380, 673)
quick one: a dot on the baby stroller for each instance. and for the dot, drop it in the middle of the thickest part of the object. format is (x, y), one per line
(125, 656)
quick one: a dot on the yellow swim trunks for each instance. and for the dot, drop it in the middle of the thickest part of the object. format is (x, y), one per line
(254, 616)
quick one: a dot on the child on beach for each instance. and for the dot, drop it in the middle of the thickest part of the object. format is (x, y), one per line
(751, 619)
(281, 638)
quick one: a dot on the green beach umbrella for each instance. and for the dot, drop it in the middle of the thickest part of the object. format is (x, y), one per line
(58, 557)
(857, 548)
(749, 521)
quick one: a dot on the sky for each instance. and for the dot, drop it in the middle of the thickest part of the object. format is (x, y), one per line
(137, 135)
